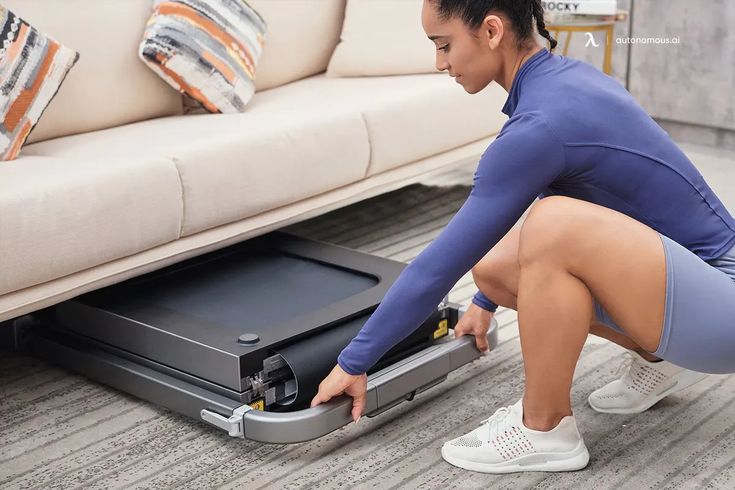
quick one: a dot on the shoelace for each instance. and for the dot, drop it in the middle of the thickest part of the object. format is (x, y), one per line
(627, 365)
(632, 374)
(494, 421)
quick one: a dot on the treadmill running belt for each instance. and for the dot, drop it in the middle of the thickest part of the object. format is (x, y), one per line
(313, 358)
(265, 289)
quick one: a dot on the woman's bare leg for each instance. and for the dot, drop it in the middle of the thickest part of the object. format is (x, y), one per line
(569, 252)
(496, 275)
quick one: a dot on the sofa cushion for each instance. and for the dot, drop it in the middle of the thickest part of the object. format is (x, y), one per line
(298, 140)
(233, 166)
(399, 47)
(408, 117)
(106, 33)
(302, 35)
(32, 68)
(208, 51)
(24, 301)
(60, 216)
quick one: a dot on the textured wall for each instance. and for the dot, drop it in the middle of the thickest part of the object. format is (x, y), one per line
(693, 82)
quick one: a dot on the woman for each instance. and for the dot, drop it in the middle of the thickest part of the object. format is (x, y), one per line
(628, 242)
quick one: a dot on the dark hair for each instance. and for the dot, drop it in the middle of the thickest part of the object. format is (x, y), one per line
(522, 14)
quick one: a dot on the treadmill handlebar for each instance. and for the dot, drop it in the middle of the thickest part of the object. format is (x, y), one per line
(385, 389)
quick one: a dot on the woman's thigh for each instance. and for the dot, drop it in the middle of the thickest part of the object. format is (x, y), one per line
(621, 261)
(699, 315)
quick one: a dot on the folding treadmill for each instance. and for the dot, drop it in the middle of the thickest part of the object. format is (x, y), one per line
(241, 337)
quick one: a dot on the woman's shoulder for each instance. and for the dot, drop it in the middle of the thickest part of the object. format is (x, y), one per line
(532, 124)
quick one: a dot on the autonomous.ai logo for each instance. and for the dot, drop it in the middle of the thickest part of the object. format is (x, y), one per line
(648, 40)
(590, 40)
(634, 40)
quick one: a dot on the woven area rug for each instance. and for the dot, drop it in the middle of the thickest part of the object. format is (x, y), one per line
(58, 430)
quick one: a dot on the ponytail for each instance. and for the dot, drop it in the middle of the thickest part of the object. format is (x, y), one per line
(538, 14)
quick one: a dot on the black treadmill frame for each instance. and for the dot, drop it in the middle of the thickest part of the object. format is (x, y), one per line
(69, 339)
(387, 387)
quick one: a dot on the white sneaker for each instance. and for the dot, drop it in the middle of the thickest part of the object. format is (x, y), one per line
(503, 444)
(642, 384)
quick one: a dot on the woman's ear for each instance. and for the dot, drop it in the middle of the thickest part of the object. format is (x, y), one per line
(492, 31)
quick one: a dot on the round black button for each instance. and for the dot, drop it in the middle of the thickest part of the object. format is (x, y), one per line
(248, 338)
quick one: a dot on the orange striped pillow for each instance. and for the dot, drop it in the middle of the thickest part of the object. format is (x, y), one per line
(32, 68)
(206, 49)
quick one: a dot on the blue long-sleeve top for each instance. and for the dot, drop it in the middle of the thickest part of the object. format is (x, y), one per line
(572, 131)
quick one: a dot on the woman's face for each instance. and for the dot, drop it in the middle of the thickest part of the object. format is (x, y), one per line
(472, 57)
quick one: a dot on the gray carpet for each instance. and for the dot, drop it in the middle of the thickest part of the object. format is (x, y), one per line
(58, 430)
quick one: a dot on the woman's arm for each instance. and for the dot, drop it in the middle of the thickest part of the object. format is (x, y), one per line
(523, 160)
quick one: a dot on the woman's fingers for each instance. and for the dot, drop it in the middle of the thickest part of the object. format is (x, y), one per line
(480, 334)
(327, 390)
(462, 329)
(475, 329)
(358, 392)
(336, 383)
(358, 405)
(321, 397)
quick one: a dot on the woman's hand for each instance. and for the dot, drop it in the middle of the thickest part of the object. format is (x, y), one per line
(475, 321)
(338, 382)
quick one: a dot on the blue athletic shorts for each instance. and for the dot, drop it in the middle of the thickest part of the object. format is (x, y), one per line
(699, 320)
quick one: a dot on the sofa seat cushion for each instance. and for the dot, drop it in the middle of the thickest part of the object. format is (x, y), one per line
(63, 215)
(233, 166)
(409, 117)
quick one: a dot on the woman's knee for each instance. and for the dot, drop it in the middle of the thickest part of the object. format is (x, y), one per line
(547, 227)
(486, 272)
(496, 275)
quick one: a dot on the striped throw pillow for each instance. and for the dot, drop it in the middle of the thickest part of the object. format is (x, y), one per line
(32, 68)
(206, 49)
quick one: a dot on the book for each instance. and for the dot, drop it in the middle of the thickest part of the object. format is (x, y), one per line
(581, 7)
(561, 19)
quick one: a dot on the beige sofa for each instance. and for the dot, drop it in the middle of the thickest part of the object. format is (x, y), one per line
(116, 181)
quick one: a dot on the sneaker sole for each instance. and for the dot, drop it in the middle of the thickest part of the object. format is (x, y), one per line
(683, 381)
(571, 461)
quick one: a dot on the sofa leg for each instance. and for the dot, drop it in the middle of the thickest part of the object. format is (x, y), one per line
(14, 333)
(7, 336)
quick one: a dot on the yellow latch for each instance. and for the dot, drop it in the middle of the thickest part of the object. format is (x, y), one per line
(258, 405)
(442, 329)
